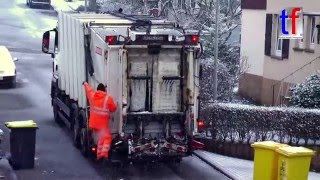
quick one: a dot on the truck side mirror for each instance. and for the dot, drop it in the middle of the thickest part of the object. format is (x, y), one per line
(46, 42)
(49, 41)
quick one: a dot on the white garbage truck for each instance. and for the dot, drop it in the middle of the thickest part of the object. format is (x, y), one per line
(151, 70)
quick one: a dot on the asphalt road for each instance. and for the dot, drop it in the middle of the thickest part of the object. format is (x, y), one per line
(21, 31)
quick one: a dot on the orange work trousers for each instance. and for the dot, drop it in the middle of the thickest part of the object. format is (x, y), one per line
(104, 143)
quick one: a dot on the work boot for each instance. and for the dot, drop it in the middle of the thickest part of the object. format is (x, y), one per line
(105, 161)
(100, 160)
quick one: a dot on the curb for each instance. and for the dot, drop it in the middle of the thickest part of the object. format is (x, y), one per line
(217, 167)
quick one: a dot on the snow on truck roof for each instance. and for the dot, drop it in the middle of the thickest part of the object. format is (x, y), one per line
(117, 24)
(109, 18)
(99, 18)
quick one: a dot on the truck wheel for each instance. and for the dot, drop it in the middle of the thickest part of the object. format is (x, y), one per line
(76, 132)
(57, 119)
(84, 142)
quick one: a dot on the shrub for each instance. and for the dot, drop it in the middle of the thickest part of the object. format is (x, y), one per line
(247, 124)
(307, 94)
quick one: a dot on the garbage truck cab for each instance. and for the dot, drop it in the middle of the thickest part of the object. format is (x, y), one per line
(151, 70)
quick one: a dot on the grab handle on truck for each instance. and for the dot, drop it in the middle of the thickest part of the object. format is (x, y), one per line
(89, 64)
(140, 77)
(172, 78)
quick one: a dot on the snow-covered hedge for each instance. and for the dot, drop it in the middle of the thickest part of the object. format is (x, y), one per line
(247, 124)
(307, 94)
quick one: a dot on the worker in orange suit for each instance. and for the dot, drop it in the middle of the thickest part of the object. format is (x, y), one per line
(101, 105)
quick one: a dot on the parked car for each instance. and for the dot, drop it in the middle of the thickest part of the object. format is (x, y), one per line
(33, 3)
(7, 68)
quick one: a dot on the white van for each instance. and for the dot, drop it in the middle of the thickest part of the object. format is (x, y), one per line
(7, 68)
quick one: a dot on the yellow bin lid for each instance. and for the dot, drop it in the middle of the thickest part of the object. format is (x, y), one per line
(268, 145)
(295, 151)
(21, 124)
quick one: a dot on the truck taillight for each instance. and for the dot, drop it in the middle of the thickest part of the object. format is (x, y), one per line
(111, 39)
(200, 124)
(195, 39)
(192, 39)
(94, 149)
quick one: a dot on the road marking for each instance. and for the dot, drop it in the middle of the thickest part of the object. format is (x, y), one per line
(32, 27)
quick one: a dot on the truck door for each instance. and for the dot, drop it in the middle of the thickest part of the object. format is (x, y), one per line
(154, 80)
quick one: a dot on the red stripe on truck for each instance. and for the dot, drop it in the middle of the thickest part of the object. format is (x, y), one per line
(98, 51)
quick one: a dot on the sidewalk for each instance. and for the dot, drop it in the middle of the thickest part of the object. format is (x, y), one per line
(6, 171)
(62, 5)
(236, 169)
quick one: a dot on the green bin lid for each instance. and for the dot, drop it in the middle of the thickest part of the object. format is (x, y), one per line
(295, 151)
(268, 145)
(21, 124)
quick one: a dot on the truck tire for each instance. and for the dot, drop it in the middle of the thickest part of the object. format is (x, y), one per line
(76, 131)
(84, 142)
(57, 119)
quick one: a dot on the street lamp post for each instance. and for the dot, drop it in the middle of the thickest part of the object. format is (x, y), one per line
(216, 48)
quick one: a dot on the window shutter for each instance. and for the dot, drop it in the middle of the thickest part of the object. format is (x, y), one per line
(285, 48)
(268, 35)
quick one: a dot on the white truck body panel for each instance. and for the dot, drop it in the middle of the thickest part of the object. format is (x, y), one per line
(71, 56)
(110, 67)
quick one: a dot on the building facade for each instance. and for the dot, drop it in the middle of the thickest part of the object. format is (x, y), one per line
(275, 64)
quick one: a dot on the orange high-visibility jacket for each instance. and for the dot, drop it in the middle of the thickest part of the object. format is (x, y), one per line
(101, 104)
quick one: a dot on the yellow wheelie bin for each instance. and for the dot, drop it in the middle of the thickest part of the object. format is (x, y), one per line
(294, 163)
(266, 160)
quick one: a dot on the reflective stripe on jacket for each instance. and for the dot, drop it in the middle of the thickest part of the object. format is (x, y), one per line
(101, 104)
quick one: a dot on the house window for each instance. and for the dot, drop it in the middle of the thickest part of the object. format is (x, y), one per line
(301, 41)
(275, 47)
(278, 50)
(312, 31)
(301, 44)
(277, 43)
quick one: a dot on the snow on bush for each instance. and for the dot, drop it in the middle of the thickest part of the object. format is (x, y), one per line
(307, 94)
(128, 6)
(247, 124)
(200, 15)
(228, 75)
